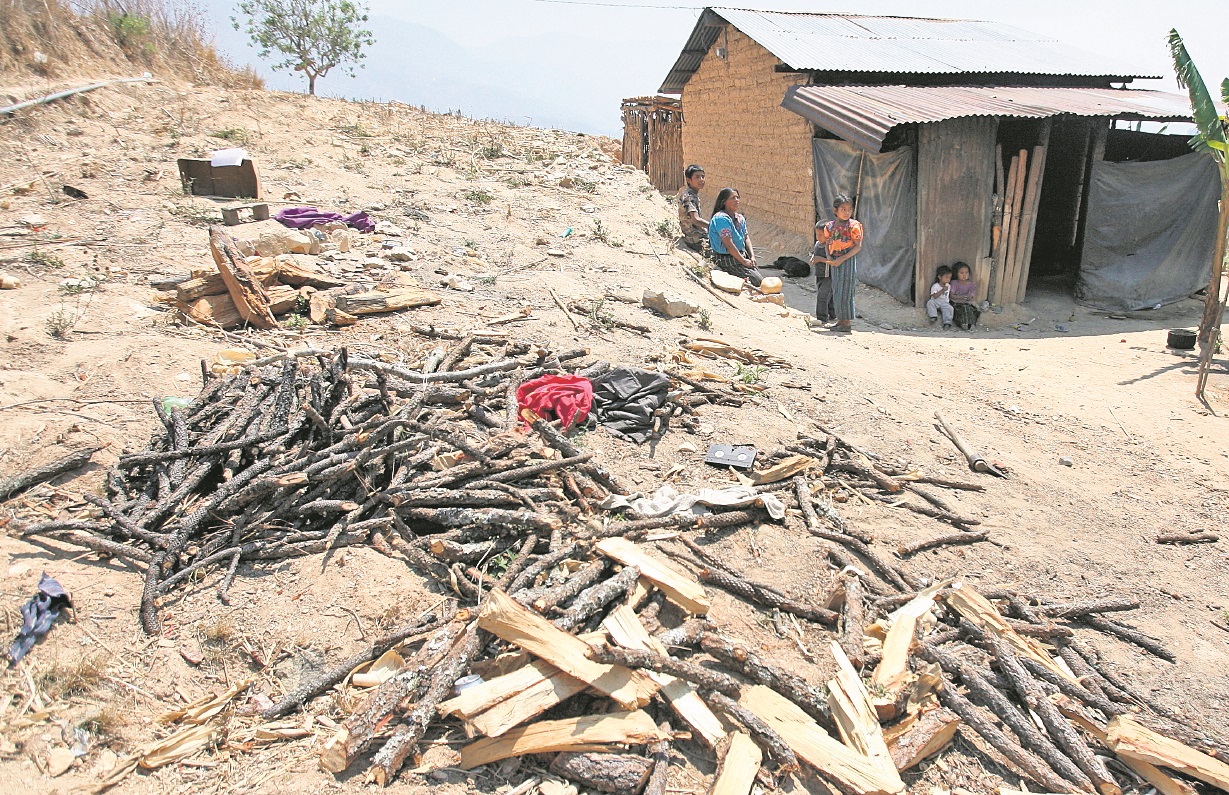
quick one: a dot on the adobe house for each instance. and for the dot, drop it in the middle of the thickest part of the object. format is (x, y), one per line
(961, 141)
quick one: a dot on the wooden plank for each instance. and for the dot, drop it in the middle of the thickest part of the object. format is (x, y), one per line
(928, 735)
(529, 703)
(503, 617)
(1131, 740)
(739, 768)
(626, 630)
(855, 715)
(678, 585)
(1030, 210)
(1010, 274)
(1164, 783)
(1000, 251)
(813, 745)
(479, 698)
(969, 603)
(212, 310)
(955, 186)
(590, 732)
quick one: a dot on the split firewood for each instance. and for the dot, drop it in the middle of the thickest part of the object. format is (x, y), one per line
(505, 618)
(1202, 537)
(1128, 738)
(679, 586)
(978, 610)
(954, 538)
(737, 771)
(892, 673)
(925, 736)
(243, 285)
(848, 768)
(778, 749)
(618, 773)
(855, 715)
(626, 630)
(589, 732)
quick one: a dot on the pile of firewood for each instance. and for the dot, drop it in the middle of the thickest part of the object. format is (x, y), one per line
(581, 631)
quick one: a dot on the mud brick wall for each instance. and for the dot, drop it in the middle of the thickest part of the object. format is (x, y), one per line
(734, 126)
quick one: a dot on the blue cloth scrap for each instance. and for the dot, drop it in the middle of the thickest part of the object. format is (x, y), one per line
(38, 614)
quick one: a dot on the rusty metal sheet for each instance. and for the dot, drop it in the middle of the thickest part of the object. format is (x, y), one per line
(863, 115)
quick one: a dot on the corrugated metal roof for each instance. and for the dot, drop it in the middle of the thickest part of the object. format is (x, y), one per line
(856, 43)
(863, 115)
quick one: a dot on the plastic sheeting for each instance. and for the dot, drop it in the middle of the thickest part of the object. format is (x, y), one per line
(1150, 232)
(887, 208)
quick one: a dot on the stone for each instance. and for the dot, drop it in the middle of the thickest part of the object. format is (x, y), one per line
(777, 299)
(670, 307)
(727, 282)
(556, 252)
(1066, 461)
(268, 239)
(400, 254)
(9, 282)
(771, 285)
(59, 760)
(566, 182)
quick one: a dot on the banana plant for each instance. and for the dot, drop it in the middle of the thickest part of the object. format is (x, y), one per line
(1212, 140)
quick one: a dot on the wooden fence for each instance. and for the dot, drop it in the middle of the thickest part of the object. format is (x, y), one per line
(653, 139)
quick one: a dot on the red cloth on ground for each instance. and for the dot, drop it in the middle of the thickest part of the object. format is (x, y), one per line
(568, 397)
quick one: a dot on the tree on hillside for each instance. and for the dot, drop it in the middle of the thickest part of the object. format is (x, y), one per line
(314, 35)
(1213, 140)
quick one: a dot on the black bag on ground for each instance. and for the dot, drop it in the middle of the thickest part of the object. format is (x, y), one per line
(793, 266)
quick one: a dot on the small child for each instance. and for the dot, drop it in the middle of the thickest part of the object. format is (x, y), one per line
(964, 297)
(825, 303)
(940, 302)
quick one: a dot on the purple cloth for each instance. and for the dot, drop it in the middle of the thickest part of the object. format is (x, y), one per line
(303, 217)
(38, 614)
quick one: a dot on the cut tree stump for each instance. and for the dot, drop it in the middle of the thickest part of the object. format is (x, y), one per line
(505, 618)
(242, 283)
(678, 585)
(739, 768)
(588, 733)
(620, 773)
(1130, 740)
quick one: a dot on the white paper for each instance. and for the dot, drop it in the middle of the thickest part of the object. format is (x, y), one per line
(227, 157)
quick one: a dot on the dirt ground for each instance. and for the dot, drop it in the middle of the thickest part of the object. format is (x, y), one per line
(1047, 381)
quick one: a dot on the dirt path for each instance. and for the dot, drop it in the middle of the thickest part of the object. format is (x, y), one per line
(1104, 393)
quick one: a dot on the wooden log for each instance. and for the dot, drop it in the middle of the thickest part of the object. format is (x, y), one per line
(296, 274)
(570, 588)
(322, 309)
(620, 773)
(1073, 609)
(704, 678)
(282, 299)
(213, 284)
(928, 735)
(814, 746)
(679, 586)
(738, 769)
(1011, 273)
(931, 543)
(765, 595)
(1164, 783)
(589, 733)
(1202, 537)
(659, 752)
(1078, 691)
(1004, 243)
(1131, 740)
(212, 310)
(593, 599)
(379, 301)
(41, 474)
(244, 287)
(626, 630)
(740, 658)
(1059, 729)
(980, 722)
(1132, 635)
(503, 617)
(853, 618)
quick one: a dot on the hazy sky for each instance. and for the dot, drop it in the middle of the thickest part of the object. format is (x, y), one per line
(654, 31)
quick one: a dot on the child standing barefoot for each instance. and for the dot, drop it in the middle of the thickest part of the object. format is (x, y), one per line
(964, 297)
(940, 293)
(843, 238)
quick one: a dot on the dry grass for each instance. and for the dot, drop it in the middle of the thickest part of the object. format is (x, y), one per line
(106, 722)
(59, 679)
(221, 632)
(61, 39)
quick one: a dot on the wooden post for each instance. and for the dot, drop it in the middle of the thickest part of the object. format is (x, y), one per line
(1036, 179)
(1000, 251)
(1010, 274)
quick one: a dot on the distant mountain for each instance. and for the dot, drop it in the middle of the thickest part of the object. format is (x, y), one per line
(546, 81)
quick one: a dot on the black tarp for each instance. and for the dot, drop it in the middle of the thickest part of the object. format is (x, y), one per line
(887, 208)
(1150, 232)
